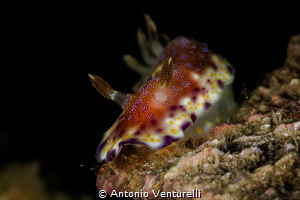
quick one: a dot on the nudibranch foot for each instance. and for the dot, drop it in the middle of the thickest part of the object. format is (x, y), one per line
(184, 93)
(217, 113)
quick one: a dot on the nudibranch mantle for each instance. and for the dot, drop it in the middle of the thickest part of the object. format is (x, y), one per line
(188, 93)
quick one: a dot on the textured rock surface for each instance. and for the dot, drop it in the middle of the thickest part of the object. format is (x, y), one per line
(255, 156)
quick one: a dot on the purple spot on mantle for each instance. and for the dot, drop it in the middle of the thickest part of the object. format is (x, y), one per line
(182, 108)
(173, 108)
(207, 105)
(137, 133)
(193, 117)
(203, 90)
(153, 121)
(215, 68)
(167, 140)
(159, 130)
(230, 69)
(220, 83)
(185, 126)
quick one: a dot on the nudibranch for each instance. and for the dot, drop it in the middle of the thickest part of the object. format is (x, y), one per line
(184, 94)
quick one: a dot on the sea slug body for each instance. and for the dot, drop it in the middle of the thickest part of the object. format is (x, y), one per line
(186, 91)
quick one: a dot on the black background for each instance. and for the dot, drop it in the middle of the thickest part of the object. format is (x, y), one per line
(50, 111)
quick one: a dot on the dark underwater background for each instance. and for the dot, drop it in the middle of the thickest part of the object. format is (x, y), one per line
(50, 111)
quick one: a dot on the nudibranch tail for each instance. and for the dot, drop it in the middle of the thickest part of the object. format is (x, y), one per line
(186, 92)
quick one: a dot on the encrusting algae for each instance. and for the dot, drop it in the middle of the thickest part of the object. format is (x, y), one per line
(256, 156)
